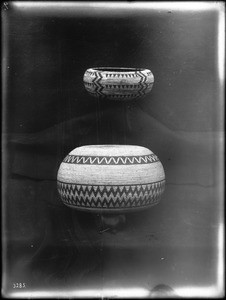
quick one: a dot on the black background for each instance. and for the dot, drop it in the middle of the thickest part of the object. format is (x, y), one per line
(47, 113)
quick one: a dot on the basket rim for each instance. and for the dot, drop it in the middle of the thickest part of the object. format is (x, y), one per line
(117, 69)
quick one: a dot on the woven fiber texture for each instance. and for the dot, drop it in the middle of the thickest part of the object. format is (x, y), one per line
(111, 178)
(118, 83)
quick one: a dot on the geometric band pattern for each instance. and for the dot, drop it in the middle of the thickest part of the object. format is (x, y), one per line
(120, 84)
(110, 160)
(112, 91)
(111, 196)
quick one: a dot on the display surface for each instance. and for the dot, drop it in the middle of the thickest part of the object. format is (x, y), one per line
(112, 178)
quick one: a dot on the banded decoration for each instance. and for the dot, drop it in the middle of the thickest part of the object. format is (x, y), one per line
(111, 177)
(110, 197)
(118, 83)
(110, 160)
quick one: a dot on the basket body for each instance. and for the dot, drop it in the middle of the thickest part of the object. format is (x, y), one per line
(118, 83)
(111, 178)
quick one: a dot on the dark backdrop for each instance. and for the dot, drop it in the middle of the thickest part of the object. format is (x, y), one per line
(47, 113)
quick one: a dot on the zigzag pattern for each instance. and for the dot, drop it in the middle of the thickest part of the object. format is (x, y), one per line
(98, 86)
(116, 86)
(111, 160)
(110, 196)
(115, 96)
(105, 89)
(143, 83)
(113, 75)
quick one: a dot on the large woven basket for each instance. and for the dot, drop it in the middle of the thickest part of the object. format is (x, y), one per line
(111, 178)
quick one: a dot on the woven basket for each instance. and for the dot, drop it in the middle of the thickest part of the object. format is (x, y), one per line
(118, 83)
(111, 178)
